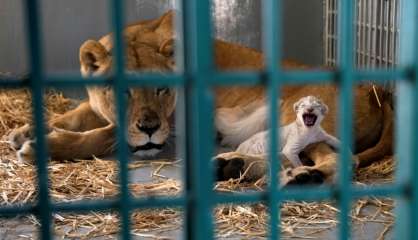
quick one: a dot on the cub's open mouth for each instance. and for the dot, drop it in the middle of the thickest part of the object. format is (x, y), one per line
(309, 119)
(146, 147)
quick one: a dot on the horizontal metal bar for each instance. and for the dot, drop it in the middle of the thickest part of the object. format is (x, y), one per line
(13, 210)
(393, 190)
(308, 77)
(222, 198)
(219, 79)
(289, 193)
(85, 205)
(307, 193)
(158, 202)
(237, 78)
(155, 80)
(383, 75)
(133, 80)
(13, 83)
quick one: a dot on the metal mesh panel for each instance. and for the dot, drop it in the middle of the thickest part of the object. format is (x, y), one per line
(377, 32)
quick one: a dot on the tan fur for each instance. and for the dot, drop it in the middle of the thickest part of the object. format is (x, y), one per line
(89, 129)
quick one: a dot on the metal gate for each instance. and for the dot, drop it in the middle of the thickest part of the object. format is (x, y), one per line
(198, 76)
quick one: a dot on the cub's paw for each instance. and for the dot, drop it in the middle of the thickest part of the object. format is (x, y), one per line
(26, 154)
(301, 176)
(19, 136)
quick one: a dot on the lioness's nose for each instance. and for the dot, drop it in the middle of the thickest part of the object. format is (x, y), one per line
(149, 123)
(309, 110)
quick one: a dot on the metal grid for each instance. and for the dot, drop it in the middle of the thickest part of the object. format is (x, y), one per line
(377, 33)
(199, 75)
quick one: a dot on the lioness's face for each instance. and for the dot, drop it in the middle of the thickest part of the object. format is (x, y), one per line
(148, 114)
(148, 108)
(310, 111)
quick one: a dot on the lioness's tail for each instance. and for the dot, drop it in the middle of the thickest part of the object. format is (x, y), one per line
(234, 131)
(385, 145)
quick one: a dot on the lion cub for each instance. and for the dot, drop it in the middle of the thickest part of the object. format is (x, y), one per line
(294, 137)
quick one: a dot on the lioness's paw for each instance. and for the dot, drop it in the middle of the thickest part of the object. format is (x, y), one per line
(301, 176)
(20, 135)
(26, 154)
(227, 168)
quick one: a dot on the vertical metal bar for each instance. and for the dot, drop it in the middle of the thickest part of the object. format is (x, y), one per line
(386, 31)
(120, 87)
(37, 87)
(198, 67)
(369, 33)
(272, 51)
(335, 31)
(363, 33)
(358, 27)
(381, 34)
(405, 122)
(326, 32)
(345, 121)
(374, 29)
(414, 182)
(393, 32)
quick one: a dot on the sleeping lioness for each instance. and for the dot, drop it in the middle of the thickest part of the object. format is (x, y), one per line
(90, 128)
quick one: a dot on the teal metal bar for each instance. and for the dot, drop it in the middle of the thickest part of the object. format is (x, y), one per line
(414, 160)
(272, 25)
(346, 62)
(293, 77)
(405, 122)
(199, 135)
(37, 87)
(120, 87)
(384, 75)
(308, 77)
(14, 210)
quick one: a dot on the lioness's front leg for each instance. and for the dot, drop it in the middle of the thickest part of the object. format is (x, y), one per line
(235, 165)
(253, 167)
(80, 119)
(63, 144)
(325, 160)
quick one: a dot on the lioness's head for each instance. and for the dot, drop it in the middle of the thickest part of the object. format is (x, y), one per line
(148, 108)
(310, 111)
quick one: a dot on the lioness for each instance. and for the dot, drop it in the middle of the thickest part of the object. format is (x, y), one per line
(89, 129)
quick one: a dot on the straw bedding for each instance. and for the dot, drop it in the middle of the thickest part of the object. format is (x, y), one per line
(97, 179)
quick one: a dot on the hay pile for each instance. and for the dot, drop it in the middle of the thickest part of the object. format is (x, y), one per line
(97, 179)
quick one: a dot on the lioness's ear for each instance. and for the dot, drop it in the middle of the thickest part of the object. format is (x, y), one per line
(93, 56)
(167, 47)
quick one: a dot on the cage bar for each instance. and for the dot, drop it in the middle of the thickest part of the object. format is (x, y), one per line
(37, 86)
(199, 140)
(346, 47)
(272, 52)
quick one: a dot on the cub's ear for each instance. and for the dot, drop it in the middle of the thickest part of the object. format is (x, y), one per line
(296, 105)
(93, 57)
(324, 108)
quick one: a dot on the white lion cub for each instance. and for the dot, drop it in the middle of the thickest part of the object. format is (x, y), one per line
(294, 137)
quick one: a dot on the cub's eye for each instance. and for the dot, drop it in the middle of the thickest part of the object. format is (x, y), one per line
(161, 91)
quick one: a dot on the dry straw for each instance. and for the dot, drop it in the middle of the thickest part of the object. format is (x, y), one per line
(97, 179)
